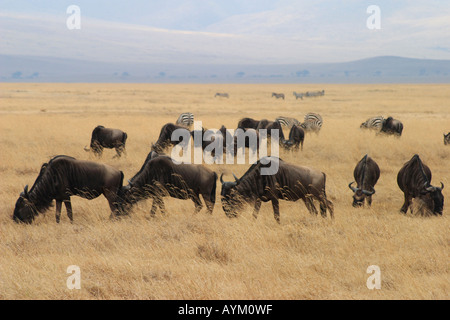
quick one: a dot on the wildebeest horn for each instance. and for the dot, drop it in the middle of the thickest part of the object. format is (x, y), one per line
(221, 178)
(235, 178)
(352, 188)
(430, 189)
(85, 148)
(442, 185)
(368, 193)
(130, 183)
(25, 191)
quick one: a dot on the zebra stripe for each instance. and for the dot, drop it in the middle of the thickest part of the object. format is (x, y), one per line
(185, 119)
(278, 95)
(315, 93)
(374, 123)
(312, 122)
(288, 122)
(298, 95)
(223, 95)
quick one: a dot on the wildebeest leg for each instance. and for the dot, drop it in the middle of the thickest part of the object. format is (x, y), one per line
(69, 209)
(256, 208)
(369, 201)
(276, 209)
(198, 204)
(209, 204)
(310, 205)
(407, 203)
(58, 211)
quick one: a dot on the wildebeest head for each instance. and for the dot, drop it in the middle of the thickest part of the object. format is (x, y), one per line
(229, 197)
(359, 195)
(447, 138)
(24, 210)
(433, 198)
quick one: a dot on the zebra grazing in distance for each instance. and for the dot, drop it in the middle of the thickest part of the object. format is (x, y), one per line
(312, 122)
(288, 122)
(185, 119)
(298, 95)
(223, 95)
(374, 123)
(278, 95)
(315, 93)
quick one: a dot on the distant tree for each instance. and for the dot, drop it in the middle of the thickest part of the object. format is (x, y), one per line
(240, 74)
(17, 75)
(303, 73)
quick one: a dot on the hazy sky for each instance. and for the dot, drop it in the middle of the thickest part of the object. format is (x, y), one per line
(231, 31)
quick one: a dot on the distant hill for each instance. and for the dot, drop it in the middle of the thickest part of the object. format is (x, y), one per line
(386, 69)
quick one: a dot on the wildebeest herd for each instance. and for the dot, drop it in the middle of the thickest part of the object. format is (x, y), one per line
(159, 176)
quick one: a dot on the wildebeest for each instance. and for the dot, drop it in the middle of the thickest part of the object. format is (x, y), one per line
(296, 138)
(223, 95)
(160, 176)
(271, 125)
(107, 138)
(447, 138)
(315, 93)
(290, 183)
(414, 179)
(278, 95)
(392, 126)
(63, 177)
(366, 174)
(248, 123)
(165, 137)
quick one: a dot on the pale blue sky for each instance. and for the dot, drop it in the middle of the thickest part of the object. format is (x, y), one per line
(227, 31)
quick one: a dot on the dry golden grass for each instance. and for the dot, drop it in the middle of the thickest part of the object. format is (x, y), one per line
(186, 256)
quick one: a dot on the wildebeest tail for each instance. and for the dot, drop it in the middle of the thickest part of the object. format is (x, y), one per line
(124, 138)
(213, 192)
(121, 180)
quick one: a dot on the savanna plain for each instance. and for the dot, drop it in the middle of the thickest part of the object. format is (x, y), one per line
(182, 255)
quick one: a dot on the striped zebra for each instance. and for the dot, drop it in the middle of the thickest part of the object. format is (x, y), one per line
(374, 123)
(312, 122)
(315, 93)
(278, 95)
(185, 119)
(298, 95)
(288, 122)
(223, 95)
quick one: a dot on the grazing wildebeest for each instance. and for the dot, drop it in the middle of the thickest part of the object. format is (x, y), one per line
(185, 119)
(107, 138)
(223, 95)
(315, 93)
(248, 123)
(278, 95)
(414, 179)
(447, 138)
(161, 177)
(290, 183)
(63, 177)
(165, 137)
(366, 175)
(296, 138)
(392, 126)
(298, 95)
(374, 123)
(271, 125)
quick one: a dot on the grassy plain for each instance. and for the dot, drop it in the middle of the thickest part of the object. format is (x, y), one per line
(186, 256)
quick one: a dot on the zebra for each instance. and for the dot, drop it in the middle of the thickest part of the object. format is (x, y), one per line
(312, 122)
(278, 95)
(223, 95)
(374, 123)
(298, 95)
(315, 93)
(287, 122)
(185, 119)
